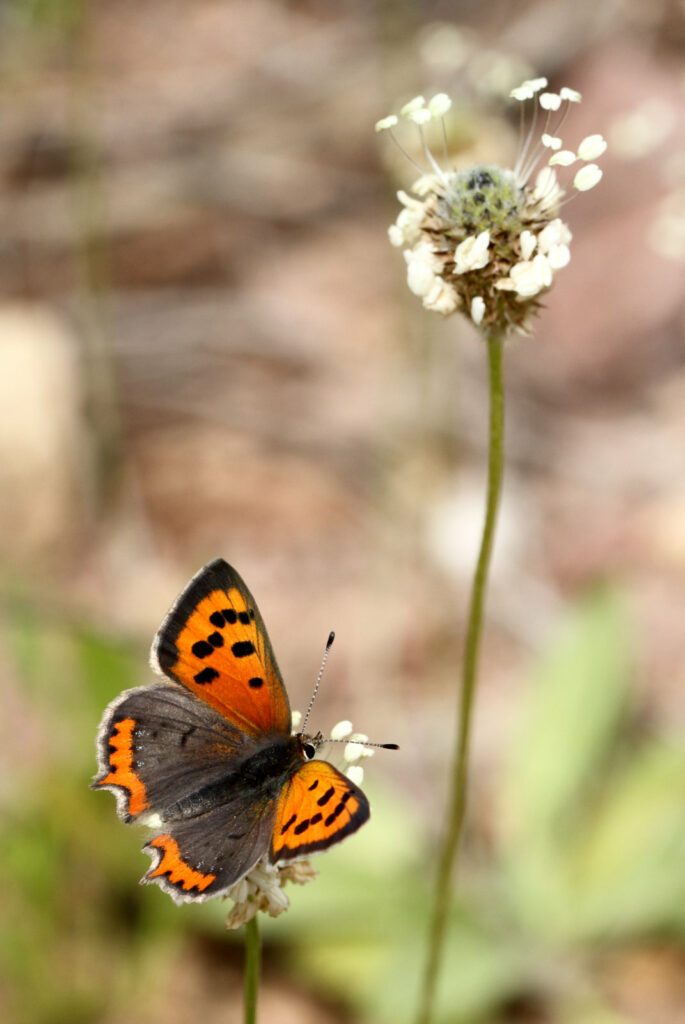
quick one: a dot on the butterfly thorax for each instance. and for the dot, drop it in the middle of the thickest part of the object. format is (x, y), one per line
(263, 769)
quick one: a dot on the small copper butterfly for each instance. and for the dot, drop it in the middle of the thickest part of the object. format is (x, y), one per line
(209, 759)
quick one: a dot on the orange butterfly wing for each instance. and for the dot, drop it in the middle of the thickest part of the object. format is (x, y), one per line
(317, 807)
(214, 642)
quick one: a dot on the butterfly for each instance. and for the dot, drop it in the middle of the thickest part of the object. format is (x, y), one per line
(207, 758)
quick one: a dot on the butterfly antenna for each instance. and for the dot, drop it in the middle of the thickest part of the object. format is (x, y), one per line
(365, 743)
(329, 644)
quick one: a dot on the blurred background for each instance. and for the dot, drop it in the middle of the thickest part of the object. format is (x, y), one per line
(207, 348)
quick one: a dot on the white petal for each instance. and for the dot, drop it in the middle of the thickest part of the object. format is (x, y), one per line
(472, 253)
(505, 284)
(353, 751)
(396, 236)
(570, 95)
(543, 269)
(564, 157)
(422, 265)
(587, 177)
(477, 309)
(420, 278)
(531, 276)
(439, 104)
(425, 184)
(547, 191)
(591, 147)
(442, 298)
(550, 141)
(355, 773)
(526, 90)
(412, 106)
(528, 241)
(409, 201)
(556, 233)
(559, 256)
(341, 730)
(550, 100)
(385, 123)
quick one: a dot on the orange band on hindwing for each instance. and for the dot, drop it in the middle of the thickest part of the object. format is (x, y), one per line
(121, 763)
(172, 865)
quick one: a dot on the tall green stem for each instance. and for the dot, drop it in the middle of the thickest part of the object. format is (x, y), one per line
(457, 797)
(252, 965)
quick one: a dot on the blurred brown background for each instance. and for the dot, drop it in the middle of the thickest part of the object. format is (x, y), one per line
(207, 348)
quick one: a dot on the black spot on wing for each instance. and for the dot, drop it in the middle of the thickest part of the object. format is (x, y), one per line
(201, 649)
(243, 648)
(207, 675)
(326, 797)
(288, 824)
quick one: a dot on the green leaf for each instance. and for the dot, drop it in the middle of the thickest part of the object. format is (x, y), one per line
(570, 719)
(571, 722)
(629, 866)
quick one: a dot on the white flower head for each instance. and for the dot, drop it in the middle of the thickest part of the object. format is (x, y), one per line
(262, 889)
(355, 773)
(487, 241)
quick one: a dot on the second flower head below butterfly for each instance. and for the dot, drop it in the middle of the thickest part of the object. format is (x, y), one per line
(487, 241)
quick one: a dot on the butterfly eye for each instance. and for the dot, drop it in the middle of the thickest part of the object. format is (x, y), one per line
(309, 750)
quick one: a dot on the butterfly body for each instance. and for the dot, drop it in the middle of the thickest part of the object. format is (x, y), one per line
(208, 757)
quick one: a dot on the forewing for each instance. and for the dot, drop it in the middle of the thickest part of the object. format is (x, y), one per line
(317, 808)
(158, 745)
(214, 642)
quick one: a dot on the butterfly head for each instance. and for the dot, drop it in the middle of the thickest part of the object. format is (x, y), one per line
(309, 744)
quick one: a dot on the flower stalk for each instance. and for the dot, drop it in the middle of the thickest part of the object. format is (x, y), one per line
(253, 957)
(469, 676)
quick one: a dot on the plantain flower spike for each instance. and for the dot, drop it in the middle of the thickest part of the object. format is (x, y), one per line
(488, 241)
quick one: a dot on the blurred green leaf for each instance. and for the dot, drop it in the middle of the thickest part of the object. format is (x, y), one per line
(629, 865)
(571, 719)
